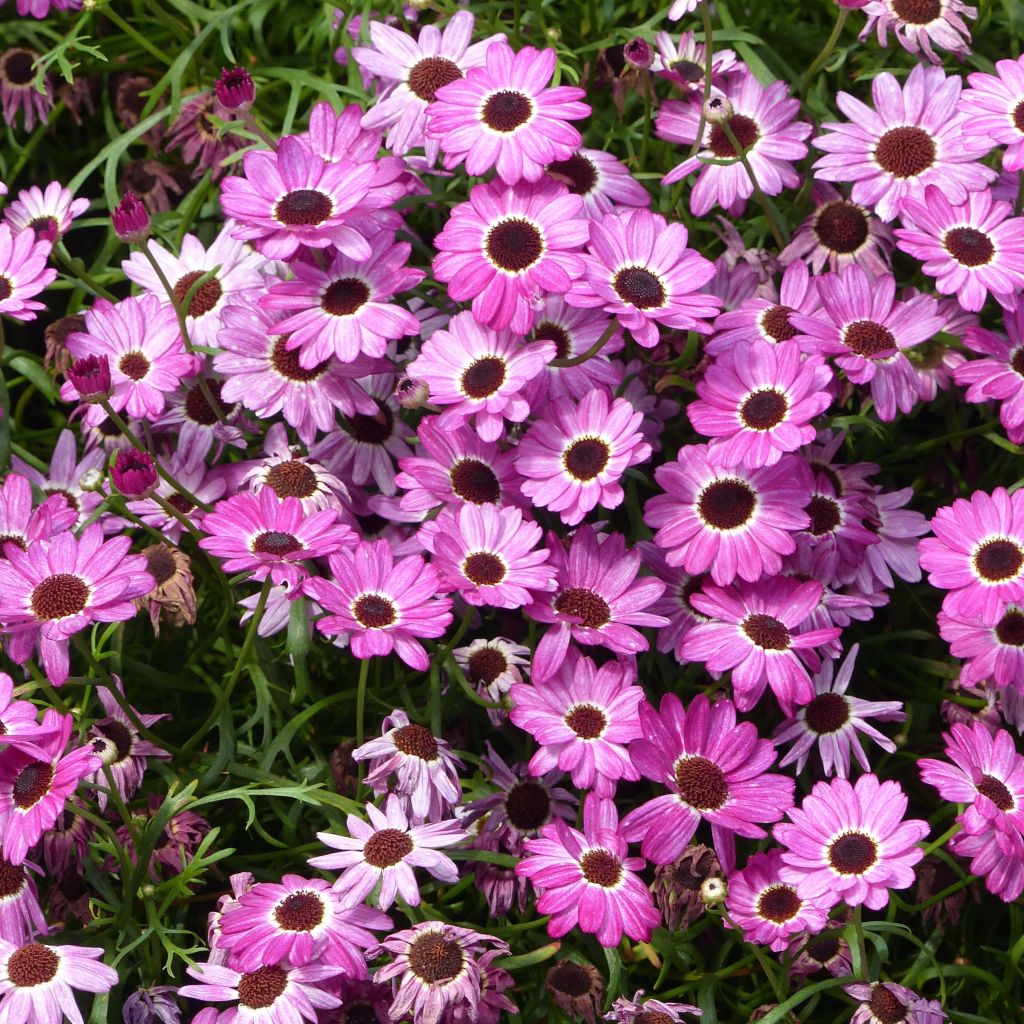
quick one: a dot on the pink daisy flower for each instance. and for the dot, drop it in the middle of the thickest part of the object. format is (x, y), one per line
(994, 651)
(492, 666)
(411, 71)
(269, 537)
(18, 724)
(343, 310)
(912, 138)
(631, 1011)
(603, 182)
(36, 781)
(714, 769)
(755, 632)
(38, 981)
(920, 27)
(731, 522)
(141, 340)
(850, 843)
(194, 476)
(996, 856)
(994, 112)
(683, 63)
(758, 400)
(382, 604)
(639, 269)
(764, 124)
(23, 272)
(896, 529)
(583, 717)
(20, 523)
(504, 115)
(384, 852)
(21, 918)
(977, 554)
(588, 879)
(507, 246)
(598, 600)
(290, 475)
(885, 1000)
(768, 910)
(832, 720)
(681, 7)
(56, 589)
(868, 330)
(489, 554)
(480, 373)
(573, 458)
(48, 212)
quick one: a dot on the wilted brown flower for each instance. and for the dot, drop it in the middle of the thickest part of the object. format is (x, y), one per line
(576, 989)
(677, 885)
(174, 595)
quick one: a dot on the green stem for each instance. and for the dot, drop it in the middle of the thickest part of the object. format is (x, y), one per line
(762, 199)
(364, 673)
(561, 364)
(944, 838)
(709, 53)
(645, 78)
(826, 50)
(858, 927)
(1019, 204)
(258, 130)
(64, 259)
(766, 967)
(138, 37)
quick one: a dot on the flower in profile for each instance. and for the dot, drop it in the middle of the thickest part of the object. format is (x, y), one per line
(38, 981)
(235, 89)
(504, 115)
(573, 458)
(583, 718)
(827, 950)
(134, 473)
(601, 181)
(130, 219)
(576, 989)
(997, 855)
(426, 772)
(48, 212)
(714, 768)
(977, 554)
(18, 90)
(850, 842)
(343, 310)
(896, 529)
(912, 138)
(507, 246)
(639, 269)
(649, 1011)
(993, 651)
(269, 537)
(768, 910)
(588, 879)
(385, 851)
(90, 377)
(23, 272)
(883, 1001)
(681, 7)
(473, 371)
(153, 1005)
(196, 132)
(919, 28)
(991, 104)
(832, 720)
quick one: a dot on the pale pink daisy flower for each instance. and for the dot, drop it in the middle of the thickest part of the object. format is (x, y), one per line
(38, 981)
(344, 309)
(476, 372)
(505, 115)
(632, 1011)
(603, 182)
(769, 911)
(384, 852)
(681, 7)
(48, 212)
(850, 842)
(684, 63)
(912, 138)
(920, 26)
(291, 475)
(994, 651)
(507, 246)
(639, 269)
(201, 424)
(994, 105)
(23, 272)
(832, 720)
(20, 523)
(883, 1001)
(492, 666)
(21, 918)
(573, 458)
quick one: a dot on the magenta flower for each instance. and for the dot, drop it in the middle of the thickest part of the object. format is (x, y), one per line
(18, 724)
(919, 28)
(54, 590)
(850, 843)
(90, 377)
(48, 212)
(913, 138)
(480, 373)
(344, 310)
(23, 272)
(583, 718)
(639, 269)
(996, 856)
(991, 106)
(769, 911)
(382, 604)
(977, 554)
(573, 459)
(601, 181)
(38, 981)
(235, 89)
(489, 554)
(731, 522)
(20, 523)
(385, 851)
(587, 878)
(764, 124)
(994, 651)
(896, 529)
(714, 769)
(130, 219)
(504, 115)
(507, 246)
(266, 536)
(598, 600)
(21, 917)
(36, 781)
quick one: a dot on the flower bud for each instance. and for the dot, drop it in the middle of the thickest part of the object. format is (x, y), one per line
(714, 891)
(235, 89)
(90, 377)
(91, 480)
(131, 219)
(717, 110)
(134, 473)
(412, 393)
(638, 53)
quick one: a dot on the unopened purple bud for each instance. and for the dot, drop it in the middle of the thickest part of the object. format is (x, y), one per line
(638, 53)
(412, 393)
(235, 88)
(90, 377)
(131, 219)
(134, 473)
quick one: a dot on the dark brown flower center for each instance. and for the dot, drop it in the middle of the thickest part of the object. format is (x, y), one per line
(528, 806)
(32, 783)
(261, 988)
(570, 979)
(31, 965)
(917, 12)
(586, 458)
(1018, 116)
(134, 365)
(345, 296)
(602, 868)
(1010, 629)
(766, 632)
(16, 66)
(181, 503)
(305, 207)
(292, 479)
(6, 288)
(435, 959)
(386, 848)
(482, 378)
(726, 504)
(905, 152)
(852, 853)
(998, 560)
(374, 611)
(507, 110)
(578, 173)
(59, 596)
(637, 285)
(997, 792)
(969, 246)
(764, 409)
(286, 362)
(548, 331)
(775, 323)
(842, 227)
(355, 1013)
(276, 543)
(587, 721)
(868, 339)
(1017, 360)
(701, 783)
(197, 407)
(475, 482)
(780, 904)
(484, 569)
(654, 1017)
(299, 911)
(205, 297)
(485, 665)
(12, 879)
(885, 1006)
(514, 245)
(431, 74)
(120, 735)
(370, 429)
(591, 609)
(744, 128)
(828, 712)
(416, 741)
(160, 563)
(825, 514)
(823, 947)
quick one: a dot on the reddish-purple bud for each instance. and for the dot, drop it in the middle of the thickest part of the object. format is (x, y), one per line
(235, 89)
(638, 53)
(90, 377)
(412, 393)
(131, 219)
(134, 473)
